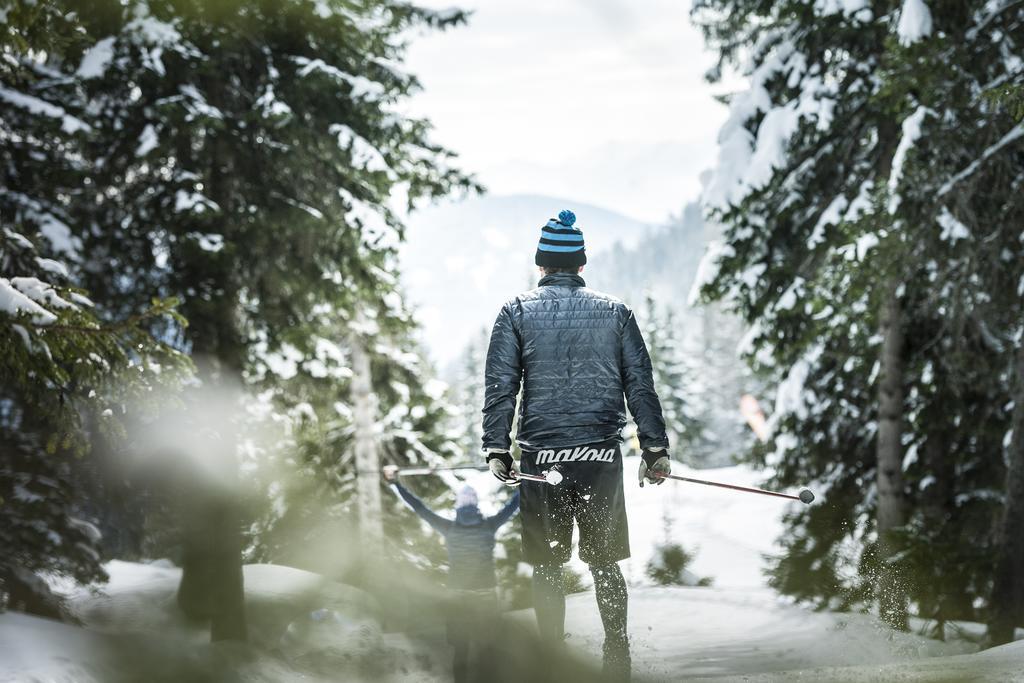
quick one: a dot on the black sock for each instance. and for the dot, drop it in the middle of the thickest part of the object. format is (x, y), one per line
(612, 600)
(549, 601)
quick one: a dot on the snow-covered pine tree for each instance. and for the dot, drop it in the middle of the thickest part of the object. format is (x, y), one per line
(721, 380)
(62, 361)
(311, 479)
(674, 379)
(244, 158)
(467, 395)
(834, 185)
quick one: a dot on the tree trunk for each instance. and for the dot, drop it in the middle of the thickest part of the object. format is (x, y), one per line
(366, 455)
(1008, 583)
(934, 508)
(889, 453)
(212, 581)
(212, 585)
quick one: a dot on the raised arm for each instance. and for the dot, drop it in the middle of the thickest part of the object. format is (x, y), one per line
(505, 513)
(439, 523)
(638, 385)
(502, 376)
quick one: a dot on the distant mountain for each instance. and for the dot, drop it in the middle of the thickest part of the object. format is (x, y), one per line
(664, 263)
(462, 260)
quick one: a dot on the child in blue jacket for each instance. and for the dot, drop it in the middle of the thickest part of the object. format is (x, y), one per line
(471, 577)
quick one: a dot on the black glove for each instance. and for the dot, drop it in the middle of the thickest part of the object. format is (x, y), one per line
(653, 463)
(503, 468)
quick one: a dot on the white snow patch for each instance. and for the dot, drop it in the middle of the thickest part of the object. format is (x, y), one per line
(192, 201)
(361, 86)
(51, 266)
(865, 243)
(41, 292)
(915, 22)
(366, 216)
(270, 106)
(746, 164)
(148, 140)
(830, 216)
(1015, 133)
(789, 297)
(197, 104)
(15, 302)
(96, 59)
(791, 395)
(18, 238)
(773, 136)
(707, 269)
(735, 143)
(847, 7)
(69, 124)
(911, 133)
(952, 229)
(151, 29)
(208, 241)
(59, 235)
(748, 341)
(861, 203)
(284, 362)
(363, 153)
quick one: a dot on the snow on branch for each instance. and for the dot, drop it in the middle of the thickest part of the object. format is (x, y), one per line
(915, 22)
(56, 232)
(858, 9)
(69, 124)
(952, 228)
(746, 162)
(31, 296)
(792, 395)
(707, 269)
(96, 59)
(911, 133)
(364, 154)
(361, 86)
(1014, 134)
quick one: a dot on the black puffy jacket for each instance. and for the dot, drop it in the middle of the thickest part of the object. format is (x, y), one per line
(576, 353)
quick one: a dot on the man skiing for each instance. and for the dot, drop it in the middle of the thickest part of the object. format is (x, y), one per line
(577, 353)
(470, 541)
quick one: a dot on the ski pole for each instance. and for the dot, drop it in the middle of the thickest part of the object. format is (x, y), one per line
(805, 496)
(552, 476)
(414, 471)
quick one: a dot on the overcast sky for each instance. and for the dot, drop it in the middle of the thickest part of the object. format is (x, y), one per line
(601, 101)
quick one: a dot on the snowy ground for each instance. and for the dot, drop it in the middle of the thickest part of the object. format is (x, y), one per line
(730, 634)
(133, 632)
(737, 630)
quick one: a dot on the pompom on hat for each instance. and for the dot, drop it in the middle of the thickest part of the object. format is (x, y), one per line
(561, 243)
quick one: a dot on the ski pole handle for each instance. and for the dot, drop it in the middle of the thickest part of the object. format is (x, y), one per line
(552, 476)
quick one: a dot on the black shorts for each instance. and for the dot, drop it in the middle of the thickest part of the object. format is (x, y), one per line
(590, 495)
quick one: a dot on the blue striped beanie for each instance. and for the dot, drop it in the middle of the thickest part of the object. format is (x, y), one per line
(561, 245)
